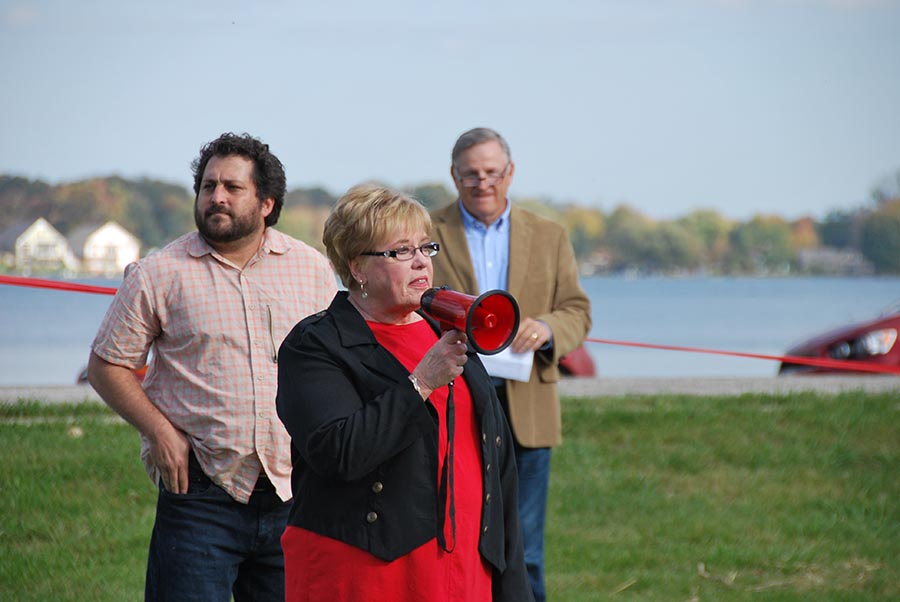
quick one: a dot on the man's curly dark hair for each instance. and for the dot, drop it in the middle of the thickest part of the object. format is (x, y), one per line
(268, 172)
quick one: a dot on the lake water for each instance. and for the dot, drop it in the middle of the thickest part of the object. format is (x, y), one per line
(45, 335)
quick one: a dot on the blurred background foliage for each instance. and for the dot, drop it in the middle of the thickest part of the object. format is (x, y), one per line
(858, 240)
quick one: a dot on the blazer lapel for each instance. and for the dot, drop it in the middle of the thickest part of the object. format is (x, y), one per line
(356, 335)
(452, 234)
(520, 246)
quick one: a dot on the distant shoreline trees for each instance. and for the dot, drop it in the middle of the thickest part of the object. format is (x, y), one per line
(854, 241)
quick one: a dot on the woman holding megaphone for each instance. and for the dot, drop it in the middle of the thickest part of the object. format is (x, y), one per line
(404, 476)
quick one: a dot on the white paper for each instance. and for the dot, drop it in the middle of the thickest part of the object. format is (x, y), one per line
(509, 365)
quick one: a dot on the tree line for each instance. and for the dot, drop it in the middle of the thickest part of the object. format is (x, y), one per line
(857, 240)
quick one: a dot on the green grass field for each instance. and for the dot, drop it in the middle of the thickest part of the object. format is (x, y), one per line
(678, 498)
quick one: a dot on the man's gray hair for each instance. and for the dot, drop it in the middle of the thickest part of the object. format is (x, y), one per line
(478, 136)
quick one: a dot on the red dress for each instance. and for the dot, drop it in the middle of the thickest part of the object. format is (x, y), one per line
(319, 568)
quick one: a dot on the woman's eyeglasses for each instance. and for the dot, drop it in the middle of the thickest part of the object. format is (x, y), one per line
(429, 249)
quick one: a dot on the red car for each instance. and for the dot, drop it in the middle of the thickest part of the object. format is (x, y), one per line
(872, 342)
(577, 364)
(82, 378)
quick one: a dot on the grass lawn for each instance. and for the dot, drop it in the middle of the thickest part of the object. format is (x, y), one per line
(76, 507)
(727, 498)
(678, 498)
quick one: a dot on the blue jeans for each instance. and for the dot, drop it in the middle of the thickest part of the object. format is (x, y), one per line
(533, 466)
(207, 547)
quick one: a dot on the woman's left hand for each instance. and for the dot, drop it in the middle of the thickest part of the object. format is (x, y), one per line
(443, 362)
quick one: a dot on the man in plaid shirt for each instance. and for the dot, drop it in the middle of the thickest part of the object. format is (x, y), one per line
(214, 306)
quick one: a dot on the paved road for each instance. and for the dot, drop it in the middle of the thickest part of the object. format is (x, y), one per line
(586, 387)
(55, 394)
(579, 387)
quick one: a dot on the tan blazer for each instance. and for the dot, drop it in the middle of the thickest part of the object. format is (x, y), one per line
(543, 278)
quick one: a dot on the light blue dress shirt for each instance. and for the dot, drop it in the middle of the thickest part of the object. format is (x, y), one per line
(489, 249)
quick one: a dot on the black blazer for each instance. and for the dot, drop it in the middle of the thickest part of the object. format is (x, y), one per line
(364, 447)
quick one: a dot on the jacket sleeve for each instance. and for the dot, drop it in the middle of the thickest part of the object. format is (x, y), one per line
(569, 317)
(344, 419)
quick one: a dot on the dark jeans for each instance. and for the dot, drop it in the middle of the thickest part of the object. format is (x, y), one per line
(207, 547)
(533, 468)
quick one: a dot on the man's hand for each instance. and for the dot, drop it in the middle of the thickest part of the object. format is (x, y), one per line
(532, 335)
(169, 447)
(170, 451)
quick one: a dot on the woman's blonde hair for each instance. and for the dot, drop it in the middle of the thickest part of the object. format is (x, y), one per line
(368, 215)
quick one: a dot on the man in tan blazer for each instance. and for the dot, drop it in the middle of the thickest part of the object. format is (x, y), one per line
(486, 243)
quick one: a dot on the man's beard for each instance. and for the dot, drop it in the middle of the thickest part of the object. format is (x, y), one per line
(224, 232)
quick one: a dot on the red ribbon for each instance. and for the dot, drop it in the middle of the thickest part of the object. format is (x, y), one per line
(790, 359)
(57, 284)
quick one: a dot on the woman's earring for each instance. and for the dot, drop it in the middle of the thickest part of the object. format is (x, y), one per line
(362, 288)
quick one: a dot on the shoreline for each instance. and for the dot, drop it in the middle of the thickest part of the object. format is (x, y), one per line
(579, 387)
(726, 385)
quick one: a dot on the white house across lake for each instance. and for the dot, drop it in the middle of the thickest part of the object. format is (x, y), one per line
(93, 250)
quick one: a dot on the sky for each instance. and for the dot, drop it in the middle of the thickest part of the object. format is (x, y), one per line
(747, 107)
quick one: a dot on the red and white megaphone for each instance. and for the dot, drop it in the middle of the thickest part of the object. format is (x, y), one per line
(490, 320)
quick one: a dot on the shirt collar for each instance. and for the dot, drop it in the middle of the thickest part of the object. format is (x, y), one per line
(198, 247)
(273, 242)
(471, 222)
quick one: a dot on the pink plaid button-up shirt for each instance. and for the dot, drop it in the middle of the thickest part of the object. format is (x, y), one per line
(215, 330)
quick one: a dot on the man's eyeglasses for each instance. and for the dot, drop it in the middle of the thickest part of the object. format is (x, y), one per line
(471, 180)
(429, 249)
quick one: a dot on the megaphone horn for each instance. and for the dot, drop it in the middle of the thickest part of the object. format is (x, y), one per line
(490, 320)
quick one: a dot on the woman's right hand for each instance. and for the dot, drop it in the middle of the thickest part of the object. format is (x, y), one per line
(443, 362)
